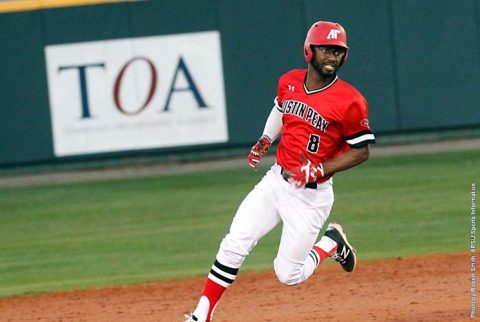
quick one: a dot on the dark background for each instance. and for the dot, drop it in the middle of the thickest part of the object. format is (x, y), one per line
(416, 62)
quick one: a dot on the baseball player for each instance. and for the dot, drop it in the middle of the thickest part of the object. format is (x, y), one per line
(324, 129)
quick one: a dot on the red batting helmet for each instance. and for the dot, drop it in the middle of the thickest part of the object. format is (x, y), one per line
(327, 34)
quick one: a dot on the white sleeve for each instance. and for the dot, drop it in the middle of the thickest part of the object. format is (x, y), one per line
(274, 124)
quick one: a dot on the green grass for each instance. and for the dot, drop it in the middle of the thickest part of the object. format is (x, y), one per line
(68, 236)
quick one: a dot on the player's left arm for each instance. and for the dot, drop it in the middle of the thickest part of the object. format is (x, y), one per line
(347, 160)
(358, 135)
(309, 171)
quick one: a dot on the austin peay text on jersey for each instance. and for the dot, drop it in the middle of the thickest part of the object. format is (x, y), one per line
(306, 112)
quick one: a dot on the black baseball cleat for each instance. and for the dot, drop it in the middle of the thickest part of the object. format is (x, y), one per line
(345, 253)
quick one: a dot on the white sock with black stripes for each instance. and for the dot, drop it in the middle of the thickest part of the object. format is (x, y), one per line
(219, 279)
(323, 249)
(319, 252)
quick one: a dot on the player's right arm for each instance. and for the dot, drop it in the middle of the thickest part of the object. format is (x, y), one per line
(271, 131)
(273, 126)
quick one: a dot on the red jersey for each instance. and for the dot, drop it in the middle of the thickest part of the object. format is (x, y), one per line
(320, 124)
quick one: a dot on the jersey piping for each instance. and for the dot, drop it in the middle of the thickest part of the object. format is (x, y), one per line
(360, 139)
(320, 89)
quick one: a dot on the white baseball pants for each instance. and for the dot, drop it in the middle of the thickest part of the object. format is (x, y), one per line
(303, 212)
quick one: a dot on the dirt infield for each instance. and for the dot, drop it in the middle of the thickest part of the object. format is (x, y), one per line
(433, 288)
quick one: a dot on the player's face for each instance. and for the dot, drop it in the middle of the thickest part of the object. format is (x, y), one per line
(327, 59)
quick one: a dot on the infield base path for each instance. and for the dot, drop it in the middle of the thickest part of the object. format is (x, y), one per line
(433, 288)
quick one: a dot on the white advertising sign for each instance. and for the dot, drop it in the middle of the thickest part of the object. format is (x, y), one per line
(136, 93)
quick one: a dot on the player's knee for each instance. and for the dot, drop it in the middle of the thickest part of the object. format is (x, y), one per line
(287, 277)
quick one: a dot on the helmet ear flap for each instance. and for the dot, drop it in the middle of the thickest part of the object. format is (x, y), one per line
(309, 53)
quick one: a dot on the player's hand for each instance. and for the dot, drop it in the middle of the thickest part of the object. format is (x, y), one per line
(307, 172)
(258, 151)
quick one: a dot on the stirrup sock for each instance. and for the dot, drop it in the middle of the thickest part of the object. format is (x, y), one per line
(219, 279)
(323, 249)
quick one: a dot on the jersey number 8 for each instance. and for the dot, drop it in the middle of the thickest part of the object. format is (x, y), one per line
(313, 143)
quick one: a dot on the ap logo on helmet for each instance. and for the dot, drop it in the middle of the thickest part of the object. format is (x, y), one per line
(333, 34)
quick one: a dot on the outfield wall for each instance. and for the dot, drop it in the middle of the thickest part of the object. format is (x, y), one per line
(103, 80)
